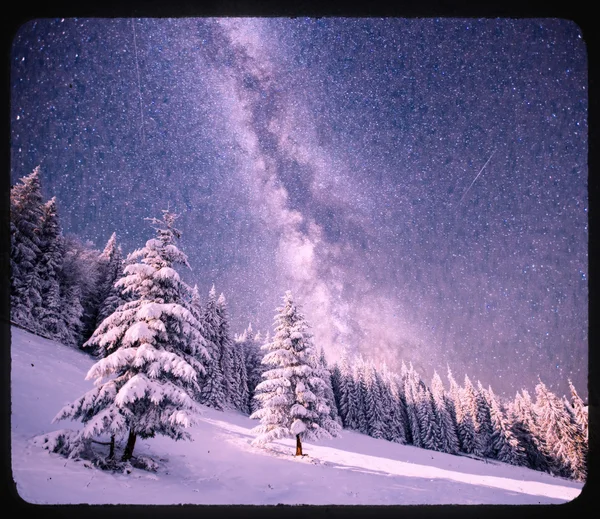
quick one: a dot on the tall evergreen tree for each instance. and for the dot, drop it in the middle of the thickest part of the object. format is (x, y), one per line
(111, 265)
(360, 394)
(290, 392)
(466, 412)
(325, 374)
(431, 437)
(398, 417)
(50, 314)
(483, 421)
(393, 425)
(411, 390)
(447, 426)
(505, 446)
(212, 393)
(254, 367)
(231, 379)
(25, 219)
(581, 414)
(195, 303)
(374, 412)
(349, 411)
(523, 424)
(79, 283)
(150, 347)
(560, 433)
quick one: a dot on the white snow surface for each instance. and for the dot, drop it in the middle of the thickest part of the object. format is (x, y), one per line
(219, 466)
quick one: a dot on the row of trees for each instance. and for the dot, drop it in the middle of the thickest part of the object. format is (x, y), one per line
(549, 434)
(61, 288)
(162, 351)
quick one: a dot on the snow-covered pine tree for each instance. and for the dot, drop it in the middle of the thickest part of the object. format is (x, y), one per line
(230, 377)
(49, 314)
(336, 381)
(483, 421)
(579, 447)
(466, 413)
(254, 367)
(325, 374)
(360, 395)
(393, 429)
(505, 446)
(195, 303)
(289, 394)
(348, 395)
(523, 424)
(398, 417)
(450, 443)
(212, 393)
(561, 434)
(25, 218)
(150, 348)
(452, 396)
(580, 409)
(79, 281)
(411, 391)
(111, 265)
(373, 402)
(431, 437)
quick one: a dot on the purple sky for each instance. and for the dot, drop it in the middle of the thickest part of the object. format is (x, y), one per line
(341, 159)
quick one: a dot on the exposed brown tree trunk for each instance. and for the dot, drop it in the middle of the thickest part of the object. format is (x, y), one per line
(298, 446)
(129, 447)
(111, 453)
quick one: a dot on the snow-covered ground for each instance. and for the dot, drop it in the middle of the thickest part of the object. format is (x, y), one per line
(220, 466)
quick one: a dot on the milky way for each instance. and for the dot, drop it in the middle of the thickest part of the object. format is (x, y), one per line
(420, 185)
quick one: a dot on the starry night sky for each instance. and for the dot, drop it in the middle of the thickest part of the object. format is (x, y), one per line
(341, 159)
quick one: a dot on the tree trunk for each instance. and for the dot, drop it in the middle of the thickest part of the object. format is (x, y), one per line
(111, 453)
(298, 446)
(129, 447)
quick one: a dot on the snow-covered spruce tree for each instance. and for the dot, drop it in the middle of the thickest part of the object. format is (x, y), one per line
(580, 416)
(466, 410)
(252, 358)
(523, 424)
(398, 417)
(49, 314)
(373, 403)
(212, 393)
(230, 377)
(290, 394)
(505, 446)
(25, 218)
(336, 381)
(452, 397)
(392, 427)
(450, 443)
(349, 412)
(580, 409)
(79, 282)
(430, 431)
(411, 389)
(195, 303)
(561, 434)
(360, 395)
(483, 420)
(150, 347)
(579, 446)
(325, 374)
(110, 295)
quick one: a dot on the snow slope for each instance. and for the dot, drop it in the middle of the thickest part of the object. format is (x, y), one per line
(220, 466)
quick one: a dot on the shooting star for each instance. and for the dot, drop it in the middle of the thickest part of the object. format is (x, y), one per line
(137, 69)
(480, 171)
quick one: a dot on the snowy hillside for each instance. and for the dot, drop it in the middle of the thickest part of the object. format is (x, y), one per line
(220, 467)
